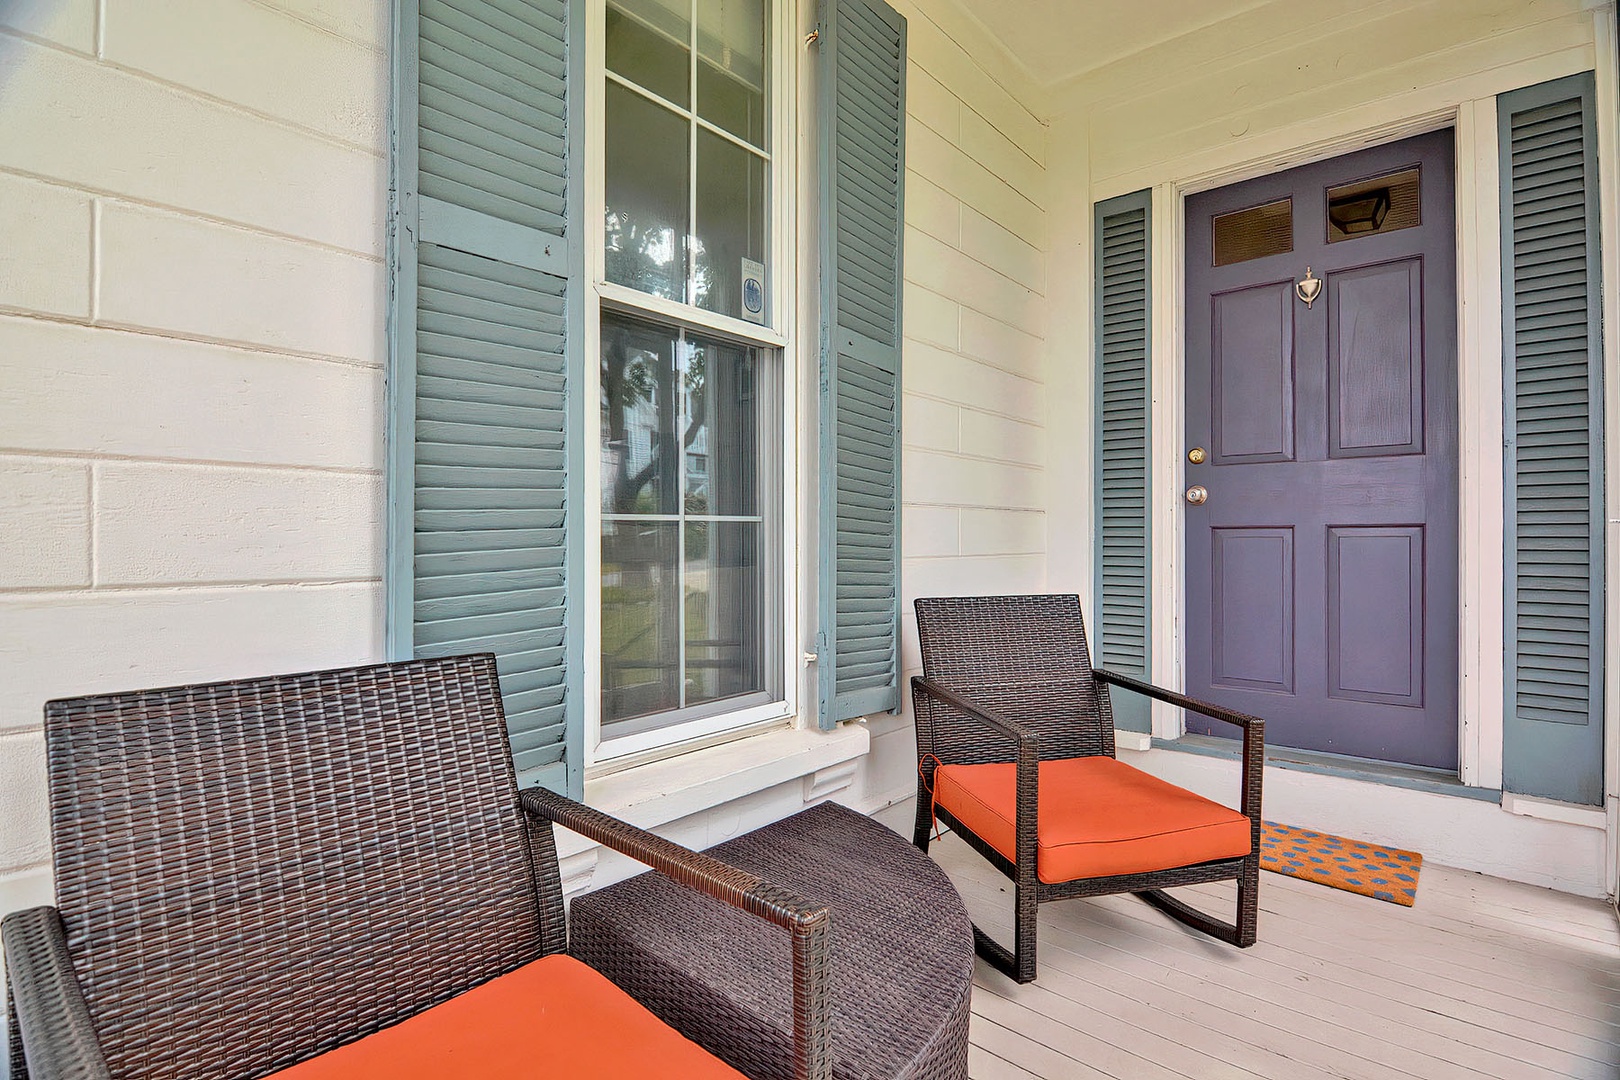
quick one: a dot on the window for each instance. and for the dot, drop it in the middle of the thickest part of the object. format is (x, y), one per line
(693, 451)
(1254, 233)
(630, 174)
(690, 605)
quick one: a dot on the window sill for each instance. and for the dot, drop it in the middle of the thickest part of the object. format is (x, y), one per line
(660, 792)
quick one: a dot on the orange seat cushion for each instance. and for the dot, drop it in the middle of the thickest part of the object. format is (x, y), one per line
(554, 1018)
(1098, 817)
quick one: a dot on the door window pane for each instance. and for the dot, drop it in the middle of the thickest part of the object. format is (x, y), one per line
(730, 222)
(1254, 233)
(648, 42)
(647, 194)
(1372, 207)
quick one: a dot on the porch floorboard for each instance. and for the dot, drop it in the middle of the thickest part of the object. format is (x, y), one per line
(1483, 977)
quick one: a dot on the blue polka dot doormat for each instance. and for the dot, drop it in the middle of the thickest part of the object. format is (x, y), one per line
(1379, 872)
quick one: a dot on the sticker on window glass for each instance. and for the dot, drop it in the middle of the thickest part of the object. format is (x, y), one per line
(753, 291)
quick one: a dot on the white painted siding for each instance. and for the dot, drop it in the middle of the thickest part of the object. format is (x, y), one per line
(974, 427)
(191, 338)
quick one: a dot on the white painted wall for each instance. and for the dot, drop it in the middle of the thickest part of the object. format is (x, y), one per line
(192, 195)
(1278, 84)
(974, 428)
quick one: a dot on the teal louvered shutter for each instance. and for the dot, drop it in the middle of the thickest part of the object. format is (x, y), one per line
(862, 137)
(1552, 416)
(484, 422)
(1121, 288)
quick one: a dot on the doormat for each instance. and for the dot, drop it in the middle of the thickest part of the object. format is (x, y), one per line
(1368, 869)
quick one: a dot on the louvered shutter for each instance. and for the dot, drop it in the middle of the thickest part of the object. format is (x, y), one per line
(862, 141)
(1119, 628)
(1552, 355)
(484, 543)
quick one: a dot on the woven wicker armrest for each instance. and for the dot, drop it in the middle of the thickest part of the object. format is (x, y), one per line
(1254, 731)
(1015, 731)
(806, 923)
(1203, 708)
(1026, 775)
(47, 1007)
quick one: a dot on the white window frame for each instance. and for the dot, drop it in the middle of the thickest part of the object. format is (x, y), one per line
(781, 333)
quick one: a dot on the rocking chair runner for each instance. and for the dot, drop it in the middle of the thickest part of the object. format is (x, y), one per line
(334, 875)
(1015, 733)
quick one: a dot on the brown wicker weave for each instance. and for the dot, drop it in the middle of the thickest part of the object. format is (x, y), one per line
(251, 873)
(1009, 678)
(900, 958)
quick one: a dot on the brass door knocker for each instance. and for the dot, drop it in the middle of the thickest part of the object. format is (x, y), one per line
(1308, 287)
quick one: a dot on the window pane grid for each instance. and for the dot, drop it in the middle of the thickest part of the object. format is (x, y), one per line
(689, 599)
(687, 114)
(717, 259)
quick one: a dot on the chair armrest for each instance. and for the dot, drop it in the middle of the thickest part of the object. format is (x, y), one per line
(1254, 732)
(1203, 708)
(1026, 774)
(58, 1039)
(806, 923)
(1015, 731)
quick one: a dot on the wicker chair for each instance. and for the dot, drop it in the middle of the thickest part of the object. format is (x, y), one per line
(258, 876)
(1015, 734)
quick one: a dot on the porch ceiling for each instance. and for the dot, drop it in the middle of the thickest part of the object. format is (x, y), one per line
(1060, 39)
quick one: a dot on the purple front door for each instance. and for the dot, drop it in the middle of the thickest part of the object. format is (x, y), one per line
(1322, 568)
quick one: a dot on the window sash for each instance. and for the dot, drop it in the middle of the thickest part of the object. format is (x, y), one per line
(768, 497)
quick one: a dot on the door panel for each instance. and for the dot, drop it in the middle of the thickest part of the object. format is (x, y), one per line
(1375, 615)
(1252, 356)
(1375, 360)
(1322, 570)
(1253, 608)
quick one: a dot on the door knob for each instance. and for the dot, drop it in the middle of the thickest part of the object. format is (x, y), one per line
(1196, 455)
(1198, 494)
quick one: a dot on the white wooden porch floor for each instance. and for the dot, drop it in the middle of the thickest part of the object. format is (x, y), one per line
(1482, 978)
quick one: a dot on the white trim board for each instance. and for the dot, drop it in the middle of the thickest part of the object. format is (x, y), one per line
(1607, 72)
(1468, 834)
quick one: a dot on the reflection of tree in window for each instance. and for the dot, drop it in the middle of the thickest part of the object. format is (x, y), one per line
(684, 601)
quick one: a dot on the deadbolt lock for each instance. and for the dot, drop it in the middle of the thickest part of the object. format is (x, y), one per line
(1196, 455)
(1198, 494)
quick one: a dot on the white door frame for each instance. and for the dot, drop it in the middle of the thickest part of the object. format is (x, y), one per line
(1479, 382)
(1606, 39)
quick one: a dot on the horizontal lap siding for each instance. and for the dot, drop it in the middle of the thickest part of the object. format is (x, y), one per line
(191, 340)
